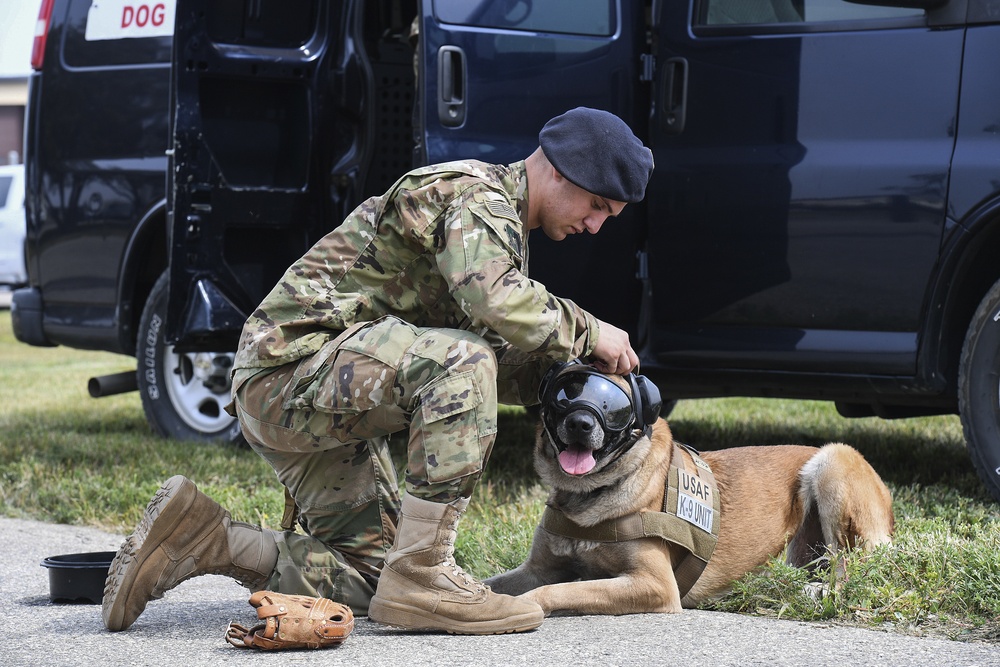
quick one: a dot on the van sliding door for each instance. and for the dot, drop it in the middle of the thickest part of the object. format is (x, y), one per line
(802, 153)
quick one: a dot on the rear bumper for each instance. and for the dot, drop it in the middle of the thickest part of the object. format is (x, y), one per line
(26, 317)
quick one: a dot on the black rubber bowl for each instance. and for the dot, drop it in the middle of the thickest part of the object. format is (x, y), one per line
(78, 577)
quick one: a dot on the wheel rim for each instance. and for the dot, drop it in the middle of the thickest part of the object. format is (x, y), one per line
(198, 386)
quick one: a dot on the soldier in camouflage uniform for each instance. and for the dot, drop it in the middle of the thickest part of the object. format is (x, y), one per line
(417, 315)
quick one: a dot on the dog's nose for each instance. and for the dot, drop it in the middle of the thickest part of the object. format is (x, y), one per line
(580, 423)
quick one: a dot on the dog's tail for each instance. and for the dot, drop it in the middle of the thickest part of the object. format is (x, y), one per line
(845, 502)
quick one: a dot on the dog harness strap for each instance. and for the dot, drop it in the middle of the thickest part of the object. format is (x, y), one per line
(622, 529)
(690, 518)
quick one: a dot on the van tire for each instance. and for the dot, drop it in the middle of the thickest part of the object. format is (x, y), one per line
(183, 395)
(979, 390)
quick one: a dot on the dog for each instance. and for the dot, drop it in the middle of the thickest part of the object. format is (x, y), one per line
(802, 500)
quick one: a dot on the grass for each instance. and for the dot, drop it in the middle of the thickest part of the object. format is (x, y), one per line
(68, 458)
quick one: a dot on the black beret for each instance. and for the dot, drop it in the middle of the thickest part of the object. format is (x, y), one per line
(597, 151)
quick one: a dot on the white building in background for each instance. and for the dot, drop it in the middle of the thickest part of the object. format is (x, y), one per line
(17, 32)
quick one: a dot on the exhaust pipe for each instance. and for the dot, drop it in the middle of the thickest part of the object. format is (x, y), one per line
(109, 385)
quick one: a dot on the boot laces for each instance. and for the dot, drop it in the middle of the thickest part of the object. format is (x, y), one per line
(449, 558)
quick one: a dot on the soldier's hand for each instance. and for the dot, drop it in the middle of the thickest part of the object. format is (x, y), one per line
(614, 353)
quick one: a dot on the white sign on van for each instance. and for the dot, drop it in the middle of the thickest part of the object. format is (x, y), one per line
(122, 19)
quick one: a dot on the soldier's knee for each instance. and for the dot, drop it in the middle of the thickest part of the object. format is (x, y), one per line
(467, 382)
(472, 353)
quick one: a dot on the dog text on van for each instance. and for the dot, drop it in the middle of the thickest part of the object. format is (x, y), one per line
(123, 19)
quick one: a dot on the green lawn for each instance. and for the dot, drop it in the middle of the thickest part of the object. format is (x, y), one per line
(68, 458)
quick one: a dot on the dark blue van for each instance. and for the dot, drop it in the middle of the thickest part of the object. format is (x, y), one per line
(823, 221)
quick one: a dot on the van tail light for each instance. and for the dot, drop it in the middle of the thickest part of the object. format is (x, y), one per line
(41, 34)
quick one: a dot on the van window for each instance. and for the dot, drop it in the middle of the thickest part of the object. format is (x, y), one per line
(123, 33)
(276, 23)
(576, 17)
(743, 12)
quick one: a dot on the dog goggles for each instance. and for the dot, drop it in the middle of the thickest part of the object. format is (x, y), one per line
(580, 387)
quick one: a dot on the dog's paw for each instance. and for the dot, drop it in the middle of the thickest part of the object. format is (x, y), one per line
(505, 583)
(495, 583)
(533, 596)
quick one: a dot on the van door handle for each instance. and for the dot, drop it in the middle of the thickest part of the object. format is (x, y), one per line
(673, 96)
(451, 85)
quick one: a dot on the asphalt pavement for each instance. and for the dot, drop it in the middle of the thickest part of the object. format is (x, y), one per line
(187, 626)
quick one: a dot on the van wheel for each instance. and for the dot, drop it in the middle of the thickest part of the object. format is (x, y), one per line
(183, 394)
(979, 390)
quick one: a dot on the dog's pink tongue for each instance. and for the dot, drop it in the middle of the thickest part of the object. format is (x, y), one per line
(577, 461)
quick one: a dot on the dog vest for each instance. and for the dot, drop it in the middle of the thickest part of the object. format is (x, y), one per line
(689, 518)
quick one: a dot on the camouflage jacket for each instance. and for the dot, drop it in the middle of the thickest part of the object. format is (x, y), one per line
(444, 247)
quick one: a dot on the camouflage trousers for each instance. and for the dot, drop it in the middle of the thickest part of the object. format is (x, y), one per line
(323, 424)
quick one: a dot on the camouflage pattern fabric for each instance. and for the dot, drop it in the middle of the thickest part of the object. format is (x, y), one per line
(323, 424)
(445, 247)
(414, 315)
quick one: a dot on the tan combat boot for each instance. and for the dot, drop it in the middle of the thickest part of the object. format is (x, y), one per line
(183, 534)
(422, 588)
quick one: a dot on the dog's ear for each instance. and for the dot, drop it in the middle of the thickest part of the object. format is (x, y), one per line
(647, 399)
